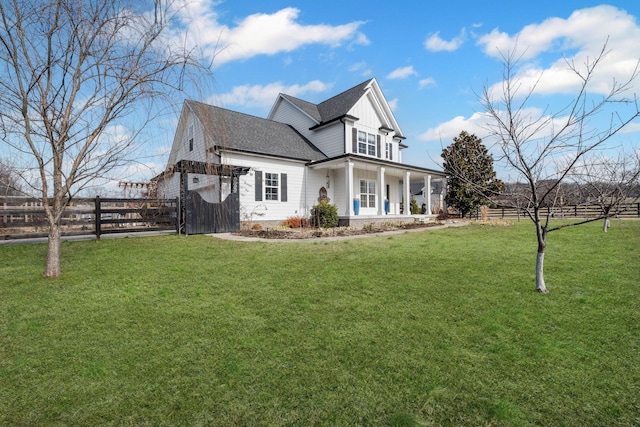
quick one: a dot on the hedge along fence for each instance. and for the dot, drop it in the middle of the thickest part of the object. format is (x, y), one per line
(24, 217)
(626, 210)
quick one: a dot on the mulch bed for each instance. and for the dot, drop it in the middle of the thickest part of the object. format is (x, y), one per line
(310, 233)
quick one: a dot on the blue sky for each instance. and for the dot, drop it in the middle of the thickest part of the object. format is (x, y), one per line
(430, 57)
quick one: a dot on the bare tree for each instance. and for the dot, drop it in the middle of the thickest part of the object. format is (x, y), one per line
(612, 184)
(80, 79)
(543, 149)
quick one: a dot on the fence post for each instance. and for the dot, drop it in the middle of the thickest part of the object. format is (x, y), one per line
(177, 211)
(98, 215)
(638, 206)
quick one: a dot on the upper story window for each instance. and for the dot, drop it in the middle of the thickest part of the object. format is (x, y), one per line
(366, 143)
(190, 137)
(388, 151)
(371, 144)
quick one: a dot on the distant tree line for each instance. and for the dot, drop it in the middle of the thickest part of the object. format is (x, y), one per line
(9, 181)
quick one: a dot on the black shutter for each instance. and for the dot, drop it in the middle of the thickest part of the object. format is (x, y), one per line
(390, 151)
(354, 140)
(258, 186)
(378, 144)
(283, 187)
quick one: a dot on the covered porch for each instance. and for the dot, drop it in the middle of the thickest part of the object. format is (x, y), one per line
(368, 190)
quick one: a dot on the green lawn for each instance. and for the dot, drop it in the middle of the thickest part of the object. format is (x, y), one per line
(440, 327)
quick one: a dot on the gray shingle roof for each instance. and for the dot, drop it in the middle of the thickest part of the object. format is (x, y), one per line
(308, 107)
(340, 104)
(241, 132)
(333, 108)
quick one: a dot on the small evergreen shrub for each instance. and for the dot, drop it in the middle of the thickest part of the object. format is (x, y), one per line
(414, 207)
(324, 215)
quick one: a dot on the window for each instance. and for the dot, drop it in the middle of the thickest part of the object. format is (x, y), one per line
(271, 186)
(362, 142)
(367, 143)
(190, 137)
(367, 193)
(388, 151)
(371, 144)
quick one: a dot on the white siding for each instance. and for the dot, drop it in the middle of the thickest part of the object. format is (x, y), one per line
(303, 186)
(169, 186)
(180, 149)
(287, 113)
(339, 196)
(367, 114)
(370, 122)
(330, 140)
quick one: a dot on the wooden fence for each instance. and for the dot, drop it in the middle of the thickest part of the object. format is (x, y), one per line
(628, 210)
(22, 217)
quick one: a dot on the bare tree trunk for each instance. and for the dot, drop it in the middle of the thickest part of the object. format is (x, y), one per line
(542, 244)
(606, 224)
(540, 286)
(52, 268)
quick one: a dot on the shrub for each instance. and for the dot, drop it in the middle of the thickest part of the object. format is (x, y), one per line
(257, 227)
(296, 222)
(414, 207)
(324, 215)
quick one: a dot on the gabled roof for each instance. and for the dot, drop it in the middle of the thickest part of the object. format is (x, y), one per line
(236, 131)
(333, 108)
(308, 107)
(339, 106)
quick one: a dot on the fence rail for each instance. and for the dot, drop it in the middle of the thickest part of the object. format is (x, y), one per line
(22, 217)
(627, 210)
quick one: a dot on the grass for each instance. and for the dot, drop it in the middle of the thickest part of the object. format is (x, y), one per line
(440, 327)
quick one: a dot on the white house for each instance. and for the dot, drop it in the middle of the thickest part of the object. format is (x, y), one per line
(347, 148)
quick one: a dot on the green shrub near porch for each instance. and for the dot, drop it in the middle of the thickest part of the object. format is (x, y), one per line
(324, 215)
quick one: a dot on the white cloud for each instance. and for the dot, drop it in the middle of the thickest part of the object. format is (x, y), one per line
(393, 104)
(264, 96)
(360, 68)
(577, 39)
(402, 73)
(258, 34)
(424, 83)
(435, 43)
(445, 132)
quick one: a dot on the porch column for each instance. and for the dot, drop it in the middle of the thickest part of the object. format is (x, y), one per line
(348, 173)
(427, 194)
(407, 192)
(381, 191)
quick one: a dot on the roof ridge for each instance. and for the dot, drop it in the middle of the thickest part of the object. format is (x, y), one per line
(363, 84)
(231, 111)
